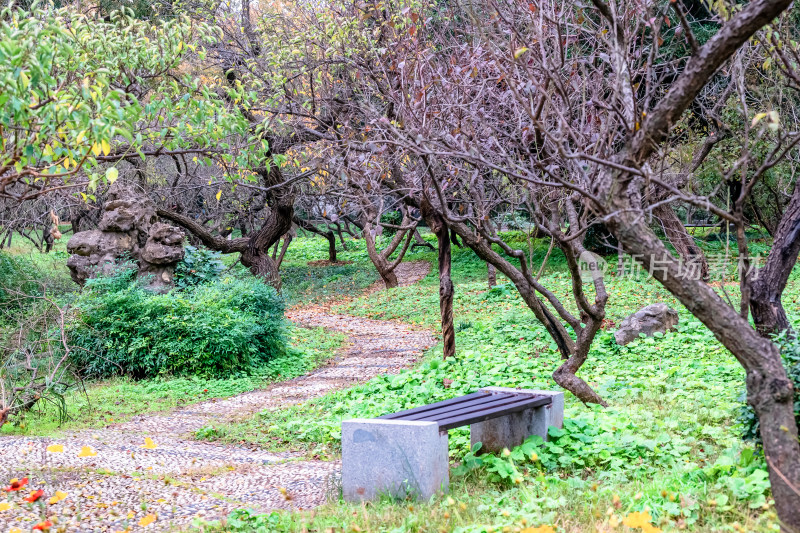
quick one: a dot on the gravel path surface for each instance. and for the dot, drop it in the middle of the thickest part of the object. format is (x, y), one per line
(149, 469)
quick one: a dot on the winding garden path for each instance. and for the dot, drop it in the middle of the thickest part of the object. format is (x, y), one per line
(113, 481)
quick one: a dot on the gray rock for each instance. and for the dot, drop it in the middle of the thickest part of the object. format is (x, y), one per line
(655, 318)
(129, 229)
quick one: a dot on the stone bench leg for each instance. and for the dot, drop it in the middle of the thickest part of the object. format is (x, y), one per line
(512, 430)
(393, 457)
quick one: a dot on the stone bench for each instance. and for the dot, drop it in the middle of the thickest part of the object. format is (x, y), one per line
(405, 454)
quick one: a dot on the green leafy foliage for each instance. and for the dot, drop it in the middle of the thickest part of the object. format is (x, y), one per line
(199, 265)
(219, 329)
(65, 80)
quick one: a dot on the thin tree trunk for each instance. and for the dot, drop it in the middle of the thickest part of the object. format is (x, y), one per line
(446, 290)
(566, 375)
(681, 240)
(341, 237)
(331, 247)
(439, 227)
(383, 265)
(287, 239)
(419, 241)
(491, 275)
(329, 235)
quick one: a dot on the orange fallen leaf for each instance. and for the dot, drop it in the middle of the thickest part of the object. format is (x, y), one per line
(147, 520)
(148, 444)
(55, 448)
(86, 451)
(43, 526)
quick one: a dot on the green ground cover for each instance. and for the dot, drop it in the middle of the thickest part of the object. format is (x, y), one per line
(669, 443)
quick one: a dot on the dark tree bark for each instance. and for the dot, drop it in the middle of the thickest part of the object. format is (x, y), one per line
(768, 285)
(340, 232)
(419, 241)
(679, 238)
(440, 228)
(253, 250)
(491, 275)
(329, 235)
(380, 259)
(287, 240)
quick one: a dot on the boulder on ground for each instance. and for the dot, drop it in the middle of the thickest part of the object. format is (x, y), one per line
(655, 318)
(128, 230)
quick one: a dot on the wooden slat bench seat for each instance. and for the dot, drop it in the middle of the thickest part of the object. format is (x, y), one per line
(406, 453)
(472, 408)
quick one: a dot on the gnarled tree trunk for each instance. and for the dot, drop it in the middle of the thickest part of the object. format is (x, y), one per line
(681, 240)
(329, 235)
(769, 389)
(769, 283)
(380, 259)
(439, 227)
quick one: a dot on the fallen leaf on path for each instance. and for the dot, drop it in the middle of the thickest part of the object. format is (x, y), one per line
(87, 451)
(147, 520)
(55, 448)
(59, 495)
(148, 444)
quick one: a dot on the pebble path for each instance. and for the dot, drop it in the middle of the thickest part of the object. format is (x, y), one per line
(111, 481)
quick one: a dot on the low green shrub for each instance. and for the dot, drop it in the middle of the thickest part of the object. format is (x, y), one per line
(199, 265)
(216, 329)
